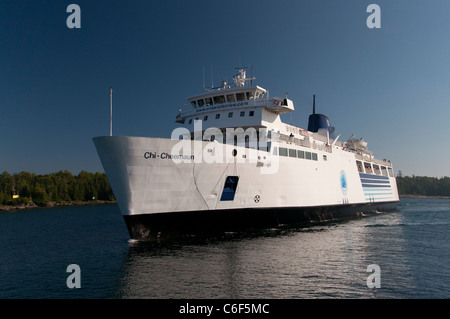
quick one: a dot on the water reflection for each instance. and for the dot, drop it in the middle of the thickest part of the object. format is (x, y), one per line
(323, 261)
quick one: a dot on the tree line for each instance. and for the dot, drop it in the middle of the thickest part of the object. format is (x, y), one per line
(29, 188)
(423, 185)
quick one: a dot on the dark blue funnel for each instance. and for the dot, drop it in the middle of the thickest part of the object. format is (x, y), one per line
(319, 121)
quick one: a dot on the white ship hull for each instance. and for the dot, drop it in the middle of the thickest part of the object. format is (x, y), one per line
(159, 196)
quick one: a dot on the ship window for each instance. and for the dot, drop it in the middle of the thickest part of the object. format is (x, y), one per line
(229, 189)
(219, 99)
(360, 167)
(283, 151)
(251, 113)
(314, 156)
(249, 95)
(194, 105)
(368, 168)
(240, 96)
(231, 98)
(292, 153)
(208, 101)
(325, 158)
(384, 171)
(205, 118)
(376, 169)
(242, 113)
(391, 173)
(308, 155)
(217, 116)
(275, 150)
(190, 121)
(300, 154)
(230, 114)
(200, 103)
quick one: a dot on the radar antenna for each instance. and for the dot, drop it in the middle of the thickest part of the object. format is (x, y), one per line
(241, 78)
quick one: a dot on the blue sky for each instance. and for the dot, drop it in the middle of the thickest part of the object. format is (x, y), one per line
(390, 86)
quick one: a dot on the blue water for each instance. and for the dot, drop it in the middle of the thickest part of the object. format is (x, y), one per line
(411, 247)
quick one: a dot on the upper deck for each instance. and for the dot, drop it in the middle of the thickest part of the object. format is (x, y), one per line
(226, 97)
(246, 106)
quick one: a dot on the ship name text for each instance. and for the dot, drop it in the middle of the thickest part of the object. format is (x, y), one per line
(164, 155)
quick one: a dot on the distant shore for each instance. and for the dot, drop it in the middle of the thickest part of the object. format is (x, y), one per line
(55, 204)
(4, 208)
(423, 196)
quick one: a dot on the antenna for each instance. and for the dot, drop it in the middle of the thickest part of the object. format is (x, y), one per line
(203, 78)
(110, 111)
(314, 104)
(212, 79)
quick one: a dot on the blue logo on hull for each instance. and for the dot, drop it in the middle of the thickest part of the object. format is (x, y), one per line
(343, 183)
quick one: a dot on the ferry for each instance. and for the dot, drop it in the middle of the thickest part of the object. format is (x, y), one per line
(233, 164)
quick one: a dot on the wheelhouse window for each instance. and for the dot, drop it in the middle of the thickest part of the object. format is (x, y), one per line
(200, 103)
(194, 104)
(219, 99)
(384, 171)
(208, 101)
(240, 96)
(249, 95)
(231, 98)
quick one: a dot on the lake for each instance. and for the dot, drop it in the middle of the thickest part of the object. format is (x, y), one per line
(405, 253)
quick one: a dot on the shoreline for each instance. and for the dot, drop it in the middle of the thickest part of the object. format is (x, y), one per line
(6, 208)
(423, 196)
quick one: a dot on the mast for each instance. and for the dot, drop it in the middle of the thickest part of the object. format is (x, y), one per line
(110, 111)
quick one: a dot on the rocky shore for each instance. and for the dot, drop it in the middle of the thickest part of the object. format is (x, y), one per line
(54, 204)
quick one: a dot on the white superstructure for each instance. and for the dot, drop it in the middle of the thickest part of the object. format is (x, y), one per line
(234, 164)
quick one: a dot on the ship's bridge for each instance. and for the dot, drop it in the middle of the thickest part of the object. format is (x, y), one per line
(226, 99)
